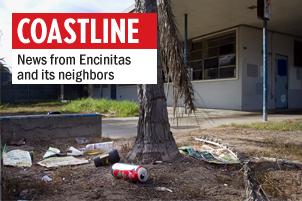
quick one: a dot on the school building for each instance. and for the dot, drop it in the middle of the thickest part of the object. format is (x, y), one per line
(225, 55)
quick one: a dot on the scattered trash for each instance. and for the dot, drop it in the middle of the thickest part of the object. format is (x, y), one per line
(98, 148)
(51, 152)
(253, 189)
(106, 159)
(93, 152)
(17, 158)
(25, 195)
(81, 140)
(158, 162)
(46, 178)
(105, 146)
(31, 153)
(133, 173)
(17, 142)
(53, 112)
(211, 152)
(74, 152)
(163, 189)
(62, 161)
(205, 140)
(3, 150)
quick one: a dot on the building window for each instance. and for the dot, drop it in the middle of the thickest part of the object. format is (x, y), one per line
(213, 58)
(298, 53)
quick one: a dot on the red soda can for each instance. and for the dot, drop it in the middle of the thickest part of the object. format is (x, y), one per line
(129, 172)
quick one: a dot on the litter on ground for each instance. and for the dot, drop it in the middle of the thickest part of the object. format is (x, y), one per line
(46, 178)
(74, 152)
(51, 152)
(163, 189)
(211, 152)
(130, 172)
(81, 140)
(93, 152)
(104, 146)
(106, 159)
(17, 158)
(62, 161)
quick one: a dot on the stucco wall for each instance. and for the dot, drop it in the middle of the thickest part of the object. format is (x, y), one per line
(222, 94)
(210, 94)
(250, 50)
(128, 92)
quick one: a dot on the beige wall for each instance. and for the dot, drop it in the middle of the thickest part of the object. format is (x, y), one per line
(250, 47)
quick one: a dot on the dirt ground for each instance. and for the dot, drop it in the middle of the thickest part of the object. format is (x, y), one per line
(189, 179)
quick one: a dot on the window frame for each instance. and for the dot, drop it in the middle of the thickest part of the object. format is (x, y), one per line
(213, 36)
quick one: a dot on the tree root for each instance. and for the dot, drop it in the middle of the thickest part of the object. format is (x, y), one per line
(253, 189)
(148, 153)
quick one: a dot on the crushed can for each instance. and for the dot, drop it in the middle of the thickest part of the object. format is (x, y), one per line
(106, 159)
(129, 172)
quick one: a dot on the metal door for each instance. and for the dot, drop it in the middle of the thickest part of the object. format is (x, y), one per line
(281, 85)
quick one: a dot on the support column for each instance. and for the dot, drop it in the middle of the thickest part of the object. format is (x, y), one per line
(62, 92)
(186, 51)
(265, 71)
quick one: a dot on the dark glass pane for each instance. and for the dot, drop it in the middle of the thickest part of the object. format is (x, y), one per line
(227, 60)
(213, 42)
(211, 74)
(230, 39)
(228, 72)
(196, 64)
(212, 52)
(227, 49)
(211, 63)
(196, 55)
(196, 45)
(298, 53)
(197, 74)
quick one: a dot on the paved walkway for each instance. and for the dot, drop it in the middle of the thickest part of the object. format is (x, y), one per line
(203, 118)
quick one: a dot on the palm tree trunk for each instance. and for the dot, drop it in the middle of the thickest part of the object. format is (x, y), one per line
(154, 139)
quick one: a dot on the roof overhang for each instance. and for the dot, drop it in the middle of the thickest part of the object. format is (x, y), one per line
(208, 16)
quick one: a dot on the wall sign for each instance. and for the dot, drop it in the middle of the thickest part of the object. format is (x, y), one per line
(264, 8)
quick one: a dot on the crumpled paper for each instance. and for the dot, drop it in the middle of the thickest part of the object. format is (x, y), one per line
(62, 161)
(17, 158)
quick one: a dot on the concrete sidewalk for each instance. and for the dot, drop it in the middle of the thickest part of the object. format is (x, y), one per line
(203, 118)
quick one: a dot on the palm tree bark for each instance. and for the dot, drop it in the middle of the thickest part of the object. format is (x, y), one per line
(154, 139)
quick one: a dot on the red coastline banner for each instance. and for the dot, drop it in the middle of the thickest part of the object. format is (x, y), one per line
(84, 30)
(84, 48)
